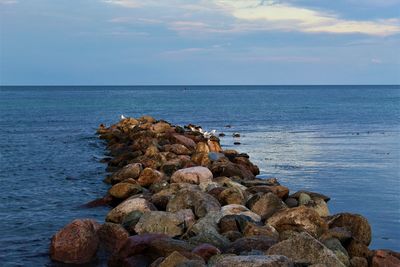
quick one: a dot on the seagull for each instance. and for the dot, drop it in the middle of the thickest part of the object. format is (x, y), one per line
(209, 134)
(123, 117)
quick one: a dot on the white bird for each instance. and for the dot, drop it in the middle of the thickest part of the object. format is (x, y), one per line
(209, 134)
(123, 117)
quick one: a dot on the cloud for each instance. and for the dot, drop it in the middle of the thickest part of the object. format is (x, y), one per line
(8, 2)
(124, 3)
(273, 15)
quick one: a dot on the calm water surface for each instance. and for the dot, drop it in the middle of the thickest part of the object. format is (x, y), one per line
(342, 141)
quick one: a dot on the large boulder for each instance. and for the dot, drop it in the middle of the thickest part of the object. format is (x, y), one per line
(250, 261)
(224, 167)
(246, 244)
(117, 214)
(193, 175)
(177, 149)
(299, 219)
(160, 127)
(124, 190)
(235, 209)
(383, 258)
(171, 224)
(303, 248)
(266, 204)
(149, 177)
(76, 243)
(201, 203)
(132, 170)
(187, 142)
(112, 236)
(357, 224)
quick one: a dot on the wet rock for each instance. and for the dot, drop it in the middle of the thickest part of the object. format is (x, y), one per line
(260, 230)
(201, 203)
(124, 190)
(193, 175)
(359, 262)
(244, 161)
(76, 243)
(206, 251)
(303, 248)
(132, 170)
(311, 194)
(171, 224)
(149, 177)
(177, 149)
(265, 204)
(117, 214)
(357, 224)
(245, 244)
(299, 219)
(213, 156)
(239, 210)
(382, 258)
(250, 261)
(112, 236)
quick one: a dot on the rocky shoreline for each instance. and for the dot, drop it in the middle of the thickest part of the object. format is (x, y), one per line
(179, 199)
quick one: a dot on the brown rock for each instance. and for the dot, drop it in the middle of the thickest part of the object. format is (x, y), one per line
(177, 149)
(298, 219)
(112, 236)
(226, 260)
(233, 223)
(117, 214)
(193, 175)
(173, 259)
(160, 127)
(202, 147)
(232, 195)
(187, 142)
(358, 262)
(124, 190)
(223, 167)
(252, 229)
(206, 251)
(76, 243)
(247, 163)
(357, 224)
(129, 171)
(279, 190)
(150, 176)
(214, 146)
(239, 210)
(311, 194)
(382, 258)
(265, 204)
(245, 244)
(358, 249)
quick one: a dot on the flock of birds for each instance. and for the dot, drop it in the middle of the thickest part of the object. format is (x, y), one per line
(195, 128)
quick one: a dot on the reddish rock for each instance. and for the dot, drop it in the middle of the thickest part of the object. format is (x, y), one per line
(252, 229)
(193, 175)
(150, 176)
(160, 127)
(76, 243)
(358, 262)
(112, 236)
(187, 142)
(206, 251)
(232, 195)
(382, 258)
(201, 159)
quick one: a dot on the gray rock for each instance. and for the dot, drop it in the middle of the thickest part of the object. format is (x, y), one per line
(250, 261)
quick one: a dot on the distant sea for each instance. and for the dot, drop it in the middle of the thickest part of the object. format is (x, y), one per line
(342, 141)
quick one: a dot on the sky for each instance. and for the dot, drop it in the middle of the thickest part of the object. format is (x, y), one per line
(199, 42)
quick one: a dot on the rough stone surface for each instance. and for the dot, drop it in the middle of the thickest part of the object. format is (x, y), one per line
(129, 171)
(112, 236)
(233, 209)
(117, 214)
(299, 219)
(358, 262)
(251, 261)
(124, 190)
(303, 248)
(266, 204)
(150, 176)
(382, 258)
(193, 175)
(261, 243)
(76, 243)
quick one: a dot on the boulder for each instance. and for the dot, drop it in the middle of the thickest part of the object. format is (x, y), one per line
(76, 243)
(337, 248)
(357, 224)
(112, 236)
(201, 203)
(214, 146)
(206, 251)
(224, 167)
(359, 262)
(234, 222)
(173, 259)
(303, 248)
(130, 220)
(132, 170)
(358, 249)
(320, 206)
(252, 229)
(150, 176)
(187, 142)
(246, 244)
(124, 190)
(117, 214)
(171, 224)
(383, 258)
(177, 149)
(193, 175)
(279, 190)
(160, 127)
(239, 210)
(298, 219)
(202, 147)
(265, 204)
(250, 261)
(304, 199)
(232, 195)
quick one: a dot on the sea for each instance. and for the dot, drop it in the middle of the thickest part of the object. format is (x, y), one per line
(342, 141)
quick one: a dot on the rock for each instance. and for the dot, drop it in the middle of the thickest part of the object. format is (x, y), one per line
(173, 259)
(130, 220)
(152, 151)
(299, 219)
(265, 204)
(149, 177)
(279, 190)
(232, 195)
(357, 224)
(337, 248)
(320, 206)
(245, 244)
(214, 146)
(171, 224)
(112, 236)
(233, 223)
(359, 262)
(258, 230)
(244, 161)
(201, 203)
(124, 190)
(382, 258)
(291, 202)
(187, 142)
(160, 127)
(341, 233)
(117, 214)
(202, 147)
(358, 249)
(224, 167)
(177, 149)
(76, 243)
(250, 261)
(201, 159)
(304, 199)
(132, 170)
(206, 251)
(239, 210)
(193, 175)
(303, 248)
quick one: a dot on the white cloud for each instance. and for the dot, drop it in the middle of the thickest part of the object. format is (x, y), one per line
(8, 2)
(124, 3)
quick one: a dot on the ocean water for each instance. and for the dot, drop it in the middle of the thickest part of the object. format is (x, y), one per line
(342, 141)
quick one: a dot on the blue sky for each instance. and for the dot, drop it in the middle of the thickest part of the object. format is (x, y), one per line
(131, 42)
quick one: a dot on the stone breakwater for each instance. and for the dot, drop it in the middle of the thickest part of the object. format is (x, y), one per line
(179, 199)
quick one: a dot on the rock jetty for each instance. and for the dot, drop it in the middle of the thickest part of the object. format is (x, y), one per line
(178, 198)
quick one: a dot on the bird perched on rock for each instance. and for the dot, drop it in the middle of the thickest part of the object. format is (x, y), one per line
(123, 117)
